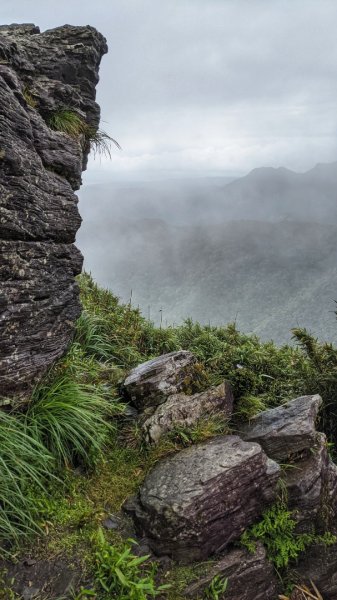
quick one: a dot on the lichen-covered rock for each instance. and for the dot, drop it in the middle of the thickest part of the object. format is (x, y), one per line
(181, 410)
(286, 430)
(41, 73)
(250, 576)
(152, 382)
(196, 502)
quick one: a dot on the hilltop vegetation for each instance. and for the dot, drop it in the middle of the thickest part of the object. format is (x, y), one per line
(81, 456)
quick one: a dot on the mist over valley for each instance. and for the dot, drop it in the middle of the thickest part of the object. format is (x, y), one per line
(259, 250)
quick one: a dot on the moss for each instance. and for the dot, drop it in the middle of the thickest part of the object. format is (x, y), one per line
(29, 97)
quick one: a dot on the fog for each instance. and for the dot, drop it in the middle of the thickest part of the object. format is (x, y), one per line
(214, 208)
(260, 250)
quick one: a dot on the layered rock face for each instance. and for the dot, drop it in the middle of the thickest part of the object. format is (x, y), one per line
(41, 74)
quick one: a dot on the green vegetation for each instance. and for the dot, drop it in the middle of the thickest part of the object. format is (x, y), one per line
(24, 461)
(217, 588)
(70, 122)
(276, 531)
(126, 576)
(70, 419)
(29, 97)
(202, 430)
(75, 419)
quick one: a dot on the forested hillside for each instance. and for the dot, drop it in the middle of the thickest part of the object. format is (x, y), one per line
(260, 250)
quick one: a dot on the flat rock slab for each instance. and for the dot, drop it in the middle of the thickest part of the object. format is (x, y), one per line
(181, 410)
(250, 576)
(152, 382)
(285, 430)
(196, 502)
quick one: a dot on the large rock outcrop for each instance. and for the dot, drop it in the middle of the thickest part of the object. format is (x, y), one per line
(193, 504)
(41, 74)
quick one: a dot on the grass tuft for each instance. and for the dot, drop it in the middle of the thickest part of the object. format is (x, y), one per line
(70, 122)
(24, 462)
(70, 419)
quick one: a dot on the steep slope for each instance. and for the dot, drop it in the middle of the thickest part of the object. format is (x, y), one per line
(269, 277)
(41, 75)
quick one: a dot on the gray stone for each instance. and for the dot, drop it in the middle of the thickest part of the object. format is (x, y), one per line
(250, 576)
(286, 430)
(306, 481)
(152, 382)
(39, 171)
(319, 564)
(196, 502)
(182, 410)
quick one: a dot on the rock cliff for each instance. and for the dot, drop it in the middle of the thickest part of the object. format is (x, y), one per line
(42, 76)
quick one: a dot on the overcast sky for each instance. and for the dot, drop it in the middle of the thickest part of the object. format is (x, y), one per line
(208, 87)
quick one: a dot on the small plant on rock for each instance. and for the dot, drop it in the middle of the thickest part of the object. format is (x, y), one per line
(70, 122)
(277, 532)
(216, 589)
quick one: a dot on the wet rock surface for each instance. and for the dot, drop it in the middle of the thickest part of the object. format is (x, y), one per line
(41, 73)
(250, 576)
(181, 410)
(150, 384)
(196, 502)
(285, 430)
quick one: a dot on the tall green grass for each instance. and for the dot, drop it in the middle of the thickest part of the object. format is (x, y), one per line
(65, 424)
(24, 462)
(70, 420)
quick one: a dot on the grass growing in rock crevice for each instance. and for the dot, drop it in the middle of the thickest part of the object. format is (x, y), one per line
(73, 124)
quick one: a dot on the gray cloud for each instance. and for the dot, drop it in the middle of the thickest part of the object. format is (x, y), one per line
(209, 87)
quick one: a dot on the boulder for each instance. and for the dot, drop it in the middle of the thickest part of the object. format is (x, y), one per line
(183, 411)
(152, 382)
(194, 503)
(286, 430)
(250, 576)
